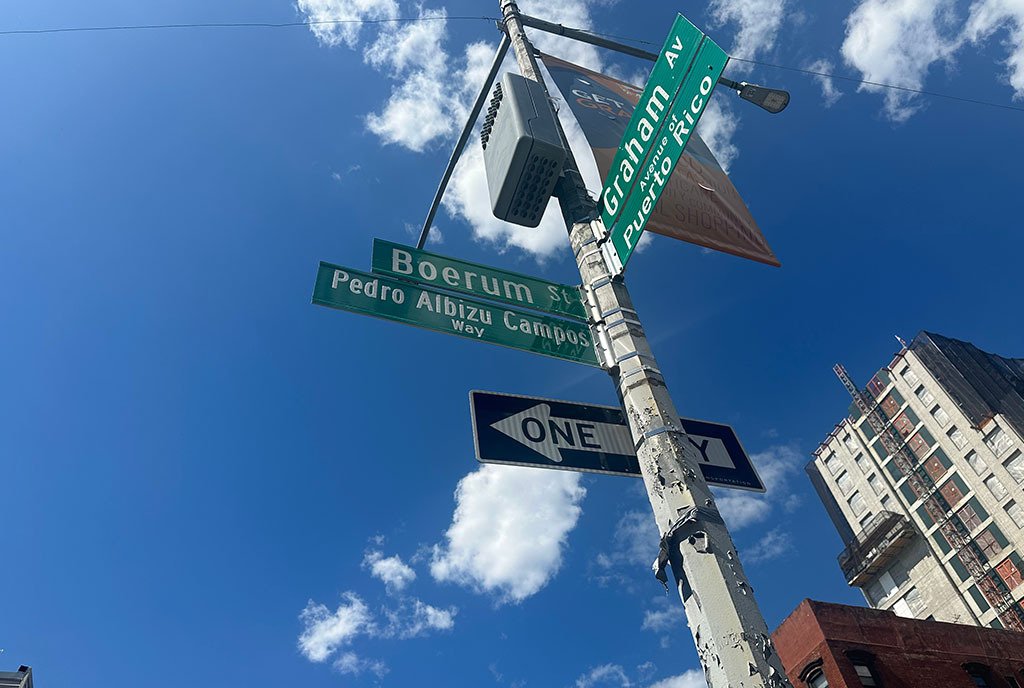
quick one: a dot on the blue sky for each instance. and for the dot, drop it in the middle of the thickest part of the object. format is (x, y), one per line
(207, 475)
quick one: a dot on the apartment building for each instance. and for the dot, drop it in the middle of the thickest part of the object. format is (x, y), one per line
(924, 480)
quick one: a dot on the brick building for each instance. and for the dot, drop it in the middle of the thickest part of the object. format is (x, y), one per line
(825, 645)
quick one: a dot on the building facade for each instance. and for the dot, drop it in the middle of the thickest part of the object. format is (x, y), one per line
(957, 414)
(825, 645)
(22, 678)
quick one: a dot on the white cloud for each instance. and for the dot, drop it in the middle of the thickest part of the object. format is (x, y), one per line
(758, 26)
(772, 545)
(986, 17)
(343, 11)
(414, 618)
(635, 541)
(896, 42)
(351, 663)
(325, 631)
(717, 127)
(664, 617)
(829, 93)
(421, 109)
(606, 674)
(392, 571)
(694, 678)
(400, 48)
(508, 530)
(775, 465)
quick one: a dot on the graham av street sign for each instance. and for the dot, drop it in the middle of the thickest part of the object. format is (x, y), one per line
(531, 431)
(486, 282)
(392, 299)
(672, 65)
(664, 146)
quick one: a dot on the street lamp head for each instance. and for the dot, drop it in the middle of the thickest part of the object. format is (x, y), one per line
(771, 99)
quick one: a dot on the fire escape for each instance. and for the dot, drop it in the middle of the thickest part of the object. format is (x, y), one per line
(992, 587)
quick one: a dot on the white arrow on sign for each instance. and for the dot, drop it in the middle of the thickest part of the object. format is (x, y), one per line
(547, 435)
(537, 429)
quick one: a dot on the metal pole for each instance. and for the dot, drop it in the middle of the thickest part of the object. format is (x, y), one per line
(466, 131)
(585, 37)
(730, 634)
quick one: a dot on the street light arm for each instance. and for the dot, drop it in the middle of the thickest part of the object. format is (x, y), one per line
(770, 99)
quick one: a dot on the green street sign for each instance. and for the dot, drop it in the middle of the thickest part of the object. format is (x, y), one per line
(392, 299)
(453, 274)
(652, 177)
(641, 133)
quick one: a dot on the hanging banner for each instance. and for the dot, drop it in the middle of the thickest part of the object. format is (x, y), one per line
(699, 205)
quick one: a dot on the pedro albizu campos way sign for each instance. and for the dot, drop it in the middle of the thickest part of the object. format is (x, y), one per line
(676, 95)
(392, 299)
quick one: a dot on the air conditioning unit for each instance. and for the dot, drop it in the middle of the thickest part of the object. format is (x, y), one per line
(523, 153)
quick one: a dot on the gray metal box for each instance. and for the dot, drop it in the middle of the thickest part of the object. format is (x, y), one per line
(523, 153)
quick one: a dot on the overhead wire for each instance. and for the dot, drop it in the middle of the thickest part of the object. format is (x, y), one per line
(328, 22)
(880, 84)
(828, 75)
(237, 25)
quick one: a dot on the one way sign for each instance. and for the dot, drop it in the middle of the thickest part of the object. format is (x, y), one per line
(530, 431)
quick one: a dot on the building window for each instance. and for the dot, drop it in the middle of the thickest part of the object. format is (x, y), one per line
(1016, 513)
(865, 521)
(863, 464)
(864, 674)
(876, 484)
(919, 445)
(998, 441)
(1010, 574)
(977, 463)
(934, 467)
(845, 483)
(887, 583)
(817, 680)
(910, 606)
(833, 464)
(813, 676)
(1015, 467)
(988, 543)
(864, 665)
(979, 673)
(858, 504)
(904, 424)
(887, 503)
(924, 395)
(951, 491)
(850, 444)
(969, 517)
(958, 437)
(940, 416)
(910, 376)
(995, 487)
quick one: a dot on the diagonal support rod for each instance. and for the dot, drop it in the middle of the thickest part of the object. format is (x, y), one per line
(499, 56)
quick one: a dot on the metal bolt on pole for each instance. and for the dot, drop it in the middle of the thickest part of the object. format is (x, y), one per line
(730, 634)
